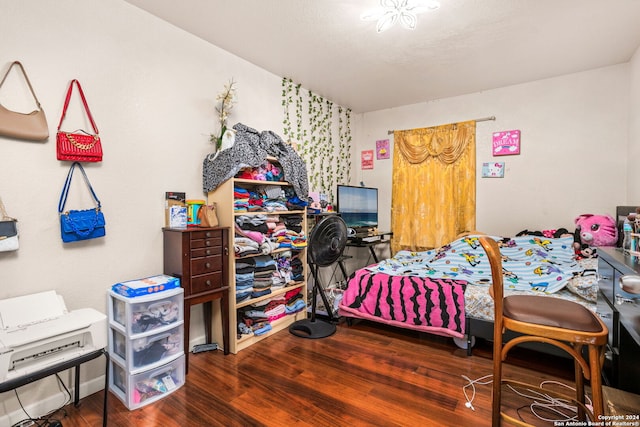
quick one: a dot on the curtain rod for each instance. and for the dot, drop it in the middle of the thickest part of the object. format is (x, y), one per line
(484, 119)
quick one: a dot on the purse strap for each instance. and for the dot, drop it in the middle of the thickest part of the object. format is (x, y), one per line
(24, 73)
(3, 213)
(84, 101)
(67, 185)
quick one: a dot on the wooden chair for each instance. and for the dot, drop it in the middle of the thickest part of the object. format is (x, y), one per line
(564, 324)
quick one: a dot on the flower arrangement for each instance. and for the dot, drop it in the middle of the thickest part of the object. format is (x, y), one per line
(226, 100)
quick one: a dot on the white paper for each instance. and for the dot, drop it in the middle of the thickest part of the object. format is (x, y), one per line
(28, 309)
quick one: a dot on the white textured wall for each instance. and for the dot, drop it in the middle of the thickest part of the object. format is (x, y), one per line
(633, 177)
(151, 88)
(573, 155)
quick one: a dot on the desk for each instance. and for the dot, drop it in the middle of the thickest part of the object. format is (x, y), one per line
(385, 239)
(63, 366)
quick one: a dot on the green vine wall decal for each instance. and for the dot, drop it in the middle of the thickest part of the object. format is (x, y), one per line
(286, 102)
(301, 133)
(322, 135)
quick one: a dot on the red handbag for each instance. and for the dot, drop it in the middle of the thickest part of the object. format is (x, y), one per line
(78, 146)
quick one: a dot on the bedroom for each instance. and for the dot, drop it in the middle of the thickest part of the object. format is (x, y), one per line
(151, 87)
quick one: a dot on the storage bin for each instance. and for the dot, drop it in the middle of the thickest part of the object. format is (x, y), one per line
(145, 313)
(143, 388)
(146, 286)
(140, 352)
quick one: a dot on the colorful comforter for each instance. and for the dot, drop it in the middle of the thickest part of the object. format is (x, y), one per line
(425, 290)
(528, 262)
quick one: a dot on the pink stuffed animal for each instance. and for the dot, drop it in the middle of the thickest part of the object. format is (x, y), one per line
(597, 230)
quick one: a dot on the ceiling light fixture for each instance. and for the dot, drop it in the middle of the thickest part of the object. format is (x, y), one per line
(406, 11)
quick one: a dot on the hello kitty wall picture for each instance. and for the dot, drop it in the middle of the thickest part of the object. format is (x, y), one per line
(506, 143)
(493, 170)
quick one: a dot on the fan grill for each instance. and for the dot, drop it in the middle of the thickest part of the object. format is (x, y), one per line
(327, 241)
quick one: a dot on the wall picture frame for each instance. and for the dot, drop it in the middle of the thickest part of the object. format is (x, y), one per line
(366, 159)
(506, 143)
(493, 170)
(382, 149)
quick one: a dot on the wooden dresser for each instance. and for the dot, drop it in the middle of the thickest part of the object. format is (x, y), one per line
(621, 312)
(200, 258)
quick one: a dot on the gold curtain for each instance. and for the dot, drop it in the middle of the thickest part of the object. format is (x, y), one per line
(434, 185)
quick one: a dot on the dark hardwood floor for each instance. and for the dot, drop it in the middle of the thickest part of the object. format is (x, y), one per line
(365, 375)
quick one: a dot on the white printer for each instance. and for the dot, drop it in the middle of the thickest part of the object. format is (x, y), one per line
(37, 331)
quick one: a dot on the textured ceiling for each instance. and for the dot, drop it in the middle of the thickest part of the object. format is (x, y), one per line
(465, 46)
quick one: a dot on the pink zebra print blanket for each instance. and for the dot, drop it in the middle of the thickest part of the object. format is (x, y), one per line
(429, 305)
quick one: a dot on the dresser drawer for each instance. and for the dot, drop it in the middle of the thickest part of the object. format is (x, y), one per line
(206, 243)
(205, 252)
(145, 351)
(206, 265)
(143, 388)
(206, 283)
(206, 234)
(205, 239)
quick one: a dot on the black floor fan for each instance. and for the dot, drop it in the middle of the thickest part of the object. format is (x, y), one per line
(324, 247)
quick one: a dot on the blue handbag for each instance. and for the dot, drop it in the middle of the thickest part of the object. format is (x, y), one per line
(80, 224)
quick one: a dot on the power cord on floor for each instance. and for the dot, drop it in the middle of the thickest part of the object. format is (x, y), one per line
(589, 403)
(540, 401)
(472, 384)
(564, 408)
(29, 422)
(45, 420)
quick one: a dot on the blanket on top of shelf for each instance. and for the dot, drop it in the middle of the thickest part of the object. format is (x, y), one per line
(251, 149)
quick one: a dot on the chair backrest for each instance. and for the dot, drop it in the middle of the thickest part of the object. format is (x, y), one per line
(496, 290)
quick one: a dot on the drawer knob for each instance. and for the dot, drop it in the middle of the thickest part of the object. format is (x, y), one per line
(208, 265)
(207, 243)
(208, 283)
(208, 234)
(208, 252)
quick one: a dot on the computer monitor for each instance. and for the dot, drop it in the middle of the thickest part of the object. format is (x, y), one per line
(358, 206)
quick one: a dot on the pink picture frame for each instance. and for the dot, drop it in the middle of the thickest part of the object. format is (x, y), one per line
(506, 143)
(382, 149)
(366, 159)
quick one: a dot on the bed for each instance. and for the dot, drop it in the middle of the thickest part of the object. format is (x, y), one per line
(445, 291)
